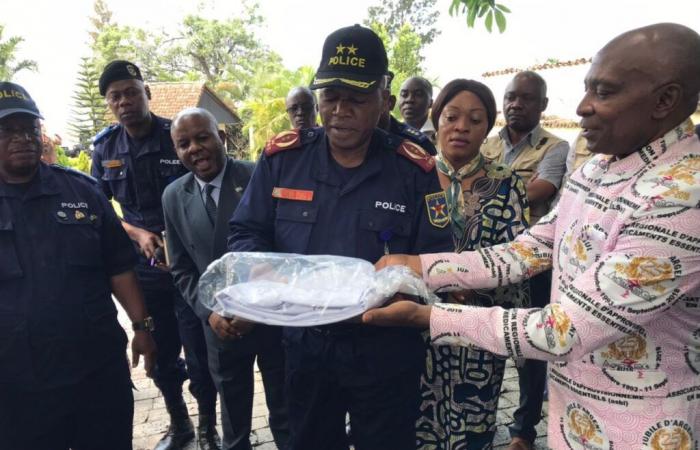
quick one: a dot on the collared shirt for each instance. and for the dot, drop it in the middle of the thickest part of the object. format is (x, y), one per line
(60, 242)
(428, 126)
(623, 321)
(551, 168)
(216, 182)
(295, 203)
(136, 172)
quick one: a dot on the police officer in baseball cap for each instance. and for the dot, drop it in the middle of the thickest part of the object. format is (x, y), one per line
(64, 376)
(347, 189)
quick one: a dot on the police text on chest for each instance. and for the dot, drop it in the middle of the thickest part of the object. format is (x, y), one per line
(390, 206)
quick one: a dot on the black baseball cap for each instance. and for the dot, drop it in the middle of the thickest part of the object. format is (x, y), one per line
(353, 57)
(116, 71)
(14, 99)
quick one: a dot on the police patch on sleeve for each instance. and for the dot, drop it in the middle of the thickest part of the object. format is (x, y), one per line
(437, 209)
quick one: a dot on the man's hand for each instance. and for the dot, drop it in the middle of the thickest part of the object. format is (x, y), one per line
(539, 191)
(411, 261)
(222, 327)
(143, 344)
(466, 297)
(227, 328)
(242, 326)
(402, 313)
(147, 241)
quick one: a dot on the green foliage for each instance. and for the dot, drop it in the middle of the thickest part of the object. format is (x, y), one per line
(82, 162)
(224, 53)
(481, 9)
(419, 15)
(264, 112)
(9, 66)
(89, 110)
(405, 27)
(404, 51)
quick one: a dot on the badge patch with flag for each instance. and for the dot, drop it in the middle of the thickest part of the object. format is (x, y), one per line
(437, 209)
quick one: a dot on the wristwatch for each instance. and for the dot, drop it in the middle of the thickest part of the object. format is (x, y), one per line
(144, 325)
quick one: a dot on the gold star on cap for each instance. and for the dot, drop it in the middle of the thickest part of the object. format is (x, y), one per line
(339, 48)
(352, 50)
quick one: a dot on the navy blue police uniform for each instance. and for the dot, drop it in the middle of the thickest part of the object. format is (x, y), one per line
(300, 200)
(412, 134)
(135, 173)
(64, 377)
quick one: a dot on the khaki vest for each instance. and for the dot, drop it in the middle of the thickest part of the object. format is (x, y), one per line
(581, 153)
(525, 164)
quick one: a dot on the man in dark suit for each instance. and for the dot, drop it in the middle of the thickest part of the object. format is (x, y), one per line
(197, 208)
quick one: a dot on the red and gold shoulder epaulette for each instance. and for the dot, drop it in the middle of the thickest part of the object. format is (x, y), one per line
(283, 141)
(415, 153)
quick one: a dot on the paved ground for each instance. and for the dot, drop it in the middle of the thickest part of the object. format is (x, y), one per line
(151, 418)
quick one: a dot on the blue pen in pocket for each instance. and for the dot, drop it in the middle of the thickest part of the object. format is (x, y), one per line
(385, 236)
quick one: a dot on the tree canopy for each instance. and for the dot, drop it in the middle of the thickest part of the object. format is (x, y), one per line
(9, 64)
(488, 10)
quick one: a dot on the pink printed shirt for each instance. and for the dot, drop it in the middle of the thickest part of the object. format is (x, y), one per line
(622, 331)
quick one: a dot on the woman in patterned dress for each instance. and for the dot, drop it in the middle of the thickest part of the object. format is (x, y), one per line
(486, 205)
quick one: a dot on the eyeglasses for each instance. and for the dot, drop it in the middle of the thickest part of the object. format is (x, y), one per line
(115, 97)
(28, 132)
(303, 108)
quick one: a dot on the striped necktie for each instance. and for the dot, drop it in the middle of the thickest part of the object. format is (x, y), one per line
(209, 203)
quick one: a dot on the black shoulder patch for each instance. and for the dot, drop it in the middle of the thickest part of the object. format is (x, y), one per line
(75, 173)
(105, 133)
(541, 143)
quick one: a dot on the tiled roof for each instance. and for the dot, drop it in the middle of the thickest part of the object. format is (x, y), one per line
(554, 64)
(167, 99)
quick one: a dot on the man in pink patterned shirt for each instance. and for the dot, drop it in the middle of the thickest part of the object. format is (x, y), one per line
(623, 329)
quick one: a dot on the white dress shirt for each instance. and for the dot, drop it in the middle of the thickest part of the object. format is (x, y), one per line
(216, 182)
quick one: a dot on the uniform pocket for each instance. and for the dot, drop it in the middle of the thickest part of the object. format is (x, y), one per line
(82, 245)
(103, 326)
(118, 181)
(382, 232)
(9, 263)
(170, 172)
(294, 222)
(14, 348)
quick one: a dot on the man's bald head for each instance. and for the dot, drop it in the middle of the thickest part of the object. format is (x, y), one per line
(524, 102)
(533, 77)
(199, 143)
(200, 112)
(666, 52)
(302, 107)
(640, 85)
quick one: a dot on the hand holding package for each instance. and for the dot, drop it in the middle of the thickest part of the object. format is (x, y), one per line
(301, 290)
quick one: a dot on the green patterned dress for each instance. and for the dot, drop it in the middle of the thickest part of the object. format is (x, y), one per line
(460, 385)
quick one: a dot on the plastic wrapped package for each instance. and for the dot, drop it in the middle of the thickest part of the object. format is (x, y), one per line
(301, 290)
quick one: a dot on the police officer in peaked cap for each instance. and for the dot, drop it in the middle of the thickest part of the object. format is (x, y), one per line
(134, 161)
(349, 189)
(64, 376)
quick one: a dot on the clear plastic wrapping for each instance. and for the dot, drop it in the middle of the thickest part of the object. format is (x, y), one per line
(301, 290)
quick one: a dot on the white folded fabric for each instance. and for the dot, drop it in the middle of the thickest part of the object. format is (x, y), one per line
(301, 290)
